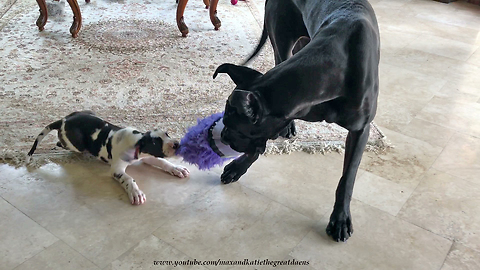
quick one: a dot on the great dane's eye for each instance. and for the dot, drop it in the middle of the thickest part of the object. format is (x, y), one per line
(166, 134)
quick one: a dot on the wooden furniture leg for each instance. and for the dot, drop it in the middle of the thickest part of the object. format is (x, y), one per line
(180, 23)
(77, 18)
(213, 14)
(207, 3)
(42, 19)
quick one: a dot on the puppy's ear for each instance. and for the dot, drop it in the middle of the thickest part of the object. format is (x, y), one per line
(240, 75)
(247, 103)
(300, 43)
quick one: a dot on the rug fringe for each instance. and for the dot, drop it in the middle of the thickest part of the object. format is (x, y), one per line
(19, 158)
(379, 146)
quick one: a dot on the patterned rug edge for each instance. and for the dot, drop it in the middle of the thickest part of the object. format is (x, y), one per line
(18, 158)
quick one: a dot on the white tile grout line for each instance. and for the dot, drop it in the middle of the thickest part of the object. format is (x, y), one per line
(123, 255)
(446, 256)
(58, 239)
(16, 267)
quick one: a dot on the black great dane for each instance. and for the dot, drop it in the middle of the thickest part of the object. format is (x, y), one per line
(327, 55)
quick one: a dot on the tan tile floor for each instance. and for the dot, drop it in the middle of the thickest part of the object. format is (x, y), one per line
(416, 207)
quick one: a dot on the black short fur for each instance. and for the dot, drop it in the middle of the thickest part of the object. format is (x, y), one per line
(327, 55)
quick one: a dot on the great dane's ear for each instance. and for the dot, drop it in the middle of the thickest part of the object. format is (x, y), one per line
(241, 76)
(247, 103)
(300, 43)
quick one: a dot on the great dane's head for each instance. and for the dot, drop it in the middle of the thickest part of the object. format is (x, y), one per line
(247, 119)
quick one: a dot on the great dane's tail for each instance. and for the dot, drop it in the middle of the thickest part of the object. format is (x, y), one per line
(261, 43)
(53, 126)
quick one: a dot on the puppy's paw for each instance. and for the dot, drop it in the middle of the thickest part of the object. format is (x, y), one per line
(179, 171)
(340, 227)
(136, 196)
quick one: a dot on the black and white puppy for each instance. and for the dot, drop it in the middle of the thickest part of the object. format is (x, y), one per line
(119, 147)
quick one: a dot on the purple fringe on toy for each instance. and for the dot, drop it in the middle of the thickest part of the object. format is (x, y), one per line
(194, 147)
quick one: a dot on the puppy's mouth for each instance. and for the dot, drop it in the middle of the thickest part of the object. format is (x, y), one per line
(137, 152)
(170, 148)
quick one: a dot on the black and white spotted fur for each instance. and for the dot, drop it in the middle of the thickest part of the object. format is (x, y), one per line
(119, 147)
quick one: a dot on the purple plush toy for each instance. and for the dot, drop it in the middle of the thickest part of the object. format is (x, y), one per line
(202, 144)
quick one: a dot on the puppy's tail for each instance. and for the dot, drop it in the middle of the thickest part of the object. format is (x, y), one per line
(261, 43)
(53, 126)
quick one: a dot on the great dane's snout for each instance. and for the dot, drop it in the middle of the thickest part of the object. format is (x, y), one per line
(176, 145)
(223, 138)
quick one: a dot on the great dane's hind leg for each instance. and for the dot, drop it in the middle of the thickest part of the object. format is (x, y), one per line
(340, 227)
(283, 30)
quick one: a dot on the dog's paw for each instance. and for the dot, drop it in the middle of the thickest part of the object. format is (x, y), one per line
(340, 227)
(179, 171)
(232, 172)
(136, 196)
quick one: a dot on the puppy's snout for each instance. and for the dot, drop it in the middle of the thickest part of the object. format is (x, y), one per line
(176, 145)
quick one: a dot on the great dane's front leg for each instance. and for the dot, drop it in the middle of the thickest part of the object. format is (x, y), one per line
(135, 195)
(340, 227)
(167, 166)
(235, 169)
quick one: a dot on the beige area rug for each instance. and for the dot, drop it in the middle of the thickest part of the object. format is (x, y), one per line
(5, 5)
(131, 66)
